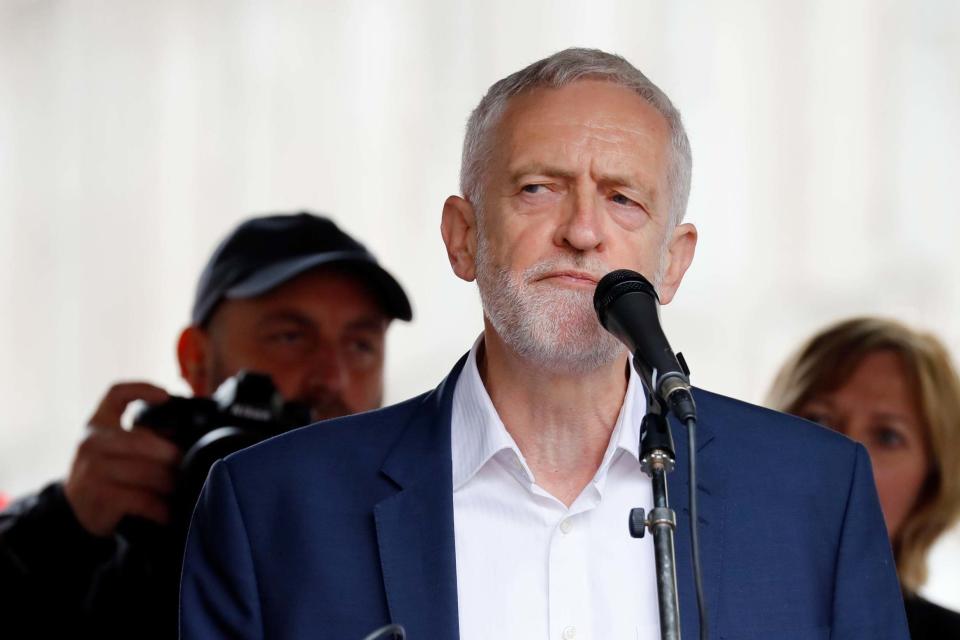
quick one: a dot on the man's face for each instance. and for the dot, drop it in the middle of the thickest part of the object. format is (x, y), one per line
(319, 336)
(576, 186)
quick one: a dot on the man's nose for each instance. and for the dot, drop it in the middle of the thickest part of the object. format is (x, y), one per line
(582, 226)
(328, 370)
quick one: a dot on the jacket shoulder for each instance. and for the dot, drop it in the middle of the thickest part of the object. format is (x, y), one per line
(326, 451)
(737, 422)
(774, 445)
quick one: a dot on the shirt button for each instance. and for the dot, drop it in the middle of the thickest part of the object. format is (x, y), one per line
(569, 633)
(565, 527)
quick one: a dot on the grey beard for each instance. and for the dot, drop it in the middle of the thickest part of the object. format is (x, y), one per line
(552, 327)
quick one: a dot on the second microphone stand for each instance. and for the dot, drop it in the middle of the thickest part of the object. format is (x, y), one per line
(657, 459)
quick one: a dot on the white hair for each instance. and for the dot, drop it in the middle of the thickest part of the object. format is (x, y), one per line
(557, 71)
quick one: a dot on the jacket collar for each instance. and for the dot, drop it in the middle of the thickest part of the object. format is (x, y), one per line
(415, 526)
(711, 507)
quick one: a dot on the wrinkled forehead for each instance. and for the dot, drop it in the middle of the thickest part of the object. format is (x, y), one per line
(625, 134)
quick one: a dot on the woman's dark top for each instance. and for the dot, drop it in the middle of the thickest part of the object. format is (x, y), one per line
(929, 621)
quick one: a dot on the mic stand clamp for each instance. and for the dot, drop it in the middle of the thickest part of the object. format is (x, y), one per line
(657, 459)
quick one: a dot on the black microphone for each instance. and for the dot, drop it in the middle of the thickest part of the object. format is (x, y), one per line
(629, 308)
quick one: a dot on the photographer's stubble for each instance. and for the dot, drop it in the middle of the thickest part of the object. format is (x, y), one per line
(320, 336)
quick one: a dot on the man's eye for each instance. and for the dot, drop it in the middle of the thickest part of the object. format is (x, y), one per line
(363, 353)
(286, 337)
(362, 346)
(621, 199)
(533, 188)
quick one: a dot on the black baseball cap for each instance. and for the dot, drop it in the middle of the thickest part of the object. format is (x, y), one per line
(266, 251)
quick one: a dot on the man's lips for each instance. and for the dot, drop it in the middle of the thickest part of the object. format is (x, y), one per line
(577, 278)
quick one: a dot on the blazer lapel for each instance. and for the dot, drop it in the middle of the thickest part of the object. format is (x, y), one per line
(415, 526)
(710, 504)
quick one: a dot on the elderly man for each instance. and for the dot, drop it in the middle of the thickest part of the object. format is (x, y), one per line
(291, 296)
(496, 505)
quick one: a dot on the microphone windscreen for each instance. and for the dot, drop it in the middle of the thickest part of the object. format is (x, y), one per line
(615, 284)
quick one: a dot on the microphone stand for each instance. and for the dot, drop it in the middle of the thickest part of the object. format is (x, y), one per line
(657, 459)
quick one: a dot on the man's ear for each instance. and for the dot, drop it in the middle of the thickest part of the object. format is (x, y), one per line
(459, 230)
(679, 255)
(193, 348)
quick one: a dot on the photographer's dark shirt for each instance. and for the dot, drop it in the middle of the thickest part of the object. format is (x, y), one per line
(58, 579)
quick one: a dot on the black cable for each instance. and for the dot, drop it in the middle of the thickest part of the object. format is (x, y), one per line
(694, 526)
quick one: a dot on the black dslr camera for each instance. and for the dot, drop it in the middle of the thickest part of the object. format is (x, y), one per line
(243, 411)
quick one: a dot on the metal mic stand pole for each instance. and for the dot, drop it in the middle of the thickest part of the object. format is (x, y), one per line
(657, 459)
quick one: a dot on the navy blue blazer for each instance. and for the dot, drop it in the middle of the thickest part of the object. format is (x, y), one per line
(336, 529)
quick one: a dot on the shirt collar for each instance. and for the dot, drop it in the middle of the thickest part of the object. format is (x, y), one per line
(626, 433)
(478, 434)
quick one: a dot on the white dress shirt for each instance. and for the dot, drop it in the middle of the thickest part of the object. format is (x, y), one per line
(530, 568)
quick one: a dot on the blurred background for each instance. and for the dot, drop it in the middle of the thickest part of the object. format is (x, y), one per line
(134, 135)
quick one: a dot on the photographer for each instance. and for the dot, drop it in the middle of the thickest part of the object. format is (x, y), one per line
(290, 296)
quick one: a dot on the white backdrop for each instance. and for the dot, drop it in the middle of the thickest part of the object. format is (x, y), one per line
(825, 133)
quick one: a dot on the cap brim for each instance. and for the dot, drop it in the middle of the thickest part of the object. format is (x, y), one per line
(386, 289)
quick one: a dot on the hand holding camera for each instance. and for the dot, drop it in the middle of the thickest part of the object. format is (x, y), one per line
(155, 471)
(116, 472)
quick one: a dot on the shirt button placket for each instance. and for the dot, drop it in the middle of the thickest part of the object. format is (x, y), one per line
(568, 595)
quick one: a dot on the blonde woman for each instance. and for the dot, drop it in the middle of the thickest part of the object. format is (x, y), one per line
(894, 390)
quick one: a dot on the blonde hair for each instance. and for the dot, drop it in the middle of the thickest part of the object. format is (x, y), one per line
(826, 361)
